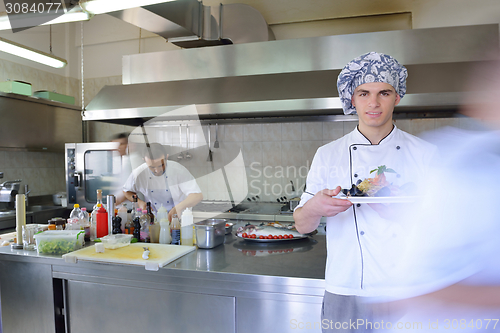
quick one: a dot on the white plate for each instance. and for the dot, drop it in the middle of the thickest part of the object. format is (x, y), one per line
(384, 200)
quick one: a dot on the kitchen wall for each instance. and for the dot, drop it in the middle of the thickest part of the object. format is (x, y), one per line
(42, 172)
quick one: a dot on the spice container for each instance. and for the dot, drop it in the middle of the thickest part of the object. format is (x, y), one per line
(210, 233)
(52, 225)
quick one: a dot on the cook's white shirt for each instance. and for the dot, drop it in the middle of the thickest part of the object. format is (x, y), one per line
(168, 190)
(362, 247)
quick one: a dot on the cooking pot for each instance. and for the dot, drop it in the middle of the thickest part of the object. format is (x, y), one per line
(58, 197)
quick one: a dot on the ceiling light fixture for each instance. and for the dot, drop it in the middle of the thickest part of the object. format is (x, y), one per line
(31, 54)
(106, 6)
(23, 20)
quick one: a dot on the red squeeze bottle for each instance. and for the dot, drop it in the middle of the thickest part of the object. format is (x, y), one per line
(101, 222)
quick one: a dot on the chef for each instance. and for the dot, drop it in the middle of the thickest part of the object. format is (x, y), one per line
(364, 241)
(162, 182)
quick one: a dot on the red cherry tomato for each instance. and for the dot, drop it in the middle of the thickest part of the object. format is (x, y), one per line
(275, 237)
(290, 236)
(280, 237)
(261, 237)
(253, 236)
(244, 235)
(285, 236)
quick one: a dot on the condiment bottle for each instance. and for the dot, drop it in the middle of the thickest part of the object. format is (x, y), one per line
(150, 213)
(117, 221)
(122, 213)
(101, 222)
(187, 227)
(164, 231)
(176, 230)
(137, 225)
(162, 213)
(85, 222)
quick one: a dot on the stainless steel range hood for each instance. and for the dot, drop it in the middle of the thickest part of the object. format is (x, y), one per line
(290, 78)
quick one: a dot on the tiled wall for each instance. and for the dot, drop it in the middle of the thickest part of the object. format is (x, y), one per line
(42, 172)
(273, 154)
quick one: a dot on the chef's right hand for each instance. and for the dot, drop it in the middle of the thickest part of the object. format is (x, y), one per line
(323, 204)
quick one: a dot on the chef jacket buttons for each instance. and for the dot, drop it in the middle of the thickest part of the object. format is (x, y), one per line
(398, 147)
(358, 205)
(356, 175)
(354, 148)
(362, 233)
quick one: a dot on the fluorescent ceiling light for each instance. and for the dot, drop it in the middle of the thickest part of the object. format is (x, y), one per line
(75, 14)
(31, 54)
(106, 6)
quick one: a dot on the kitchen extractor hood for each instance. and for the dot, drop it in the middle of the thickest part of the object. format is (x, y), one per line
(291, 78)
(189, 23)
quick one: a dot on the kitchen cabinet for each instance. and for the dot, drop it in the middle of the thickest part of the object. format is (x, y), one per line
(236, 287)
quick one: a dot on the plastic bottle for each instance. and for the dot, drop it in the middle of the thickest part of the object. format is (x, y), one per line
(175, 230)
(162, 213)
(164, 231)
(76, 213)
(122, 212)
(85, 222)
(187, 227)
(101, 222)
(144, 221)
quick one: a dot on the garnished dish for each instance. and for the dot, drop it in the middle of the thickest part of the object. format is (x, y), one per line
(268, 232)
(378, 186)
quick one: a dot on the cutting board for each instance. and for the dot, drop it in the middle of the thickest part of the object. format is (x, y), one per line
(159, 255)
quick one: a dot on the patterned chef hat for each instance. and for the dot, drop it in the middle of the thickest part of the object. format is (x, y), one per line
(370, 67)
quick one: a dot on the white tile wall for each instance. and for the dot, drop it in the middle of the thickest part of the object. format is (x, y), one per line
(42, 172)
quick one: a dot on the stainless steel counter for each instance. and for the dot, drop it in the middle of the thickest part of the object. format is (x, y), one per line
(240, 286)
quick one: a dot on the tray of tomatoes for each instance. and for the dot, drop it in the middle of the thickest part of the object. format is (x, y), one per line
(268, 238)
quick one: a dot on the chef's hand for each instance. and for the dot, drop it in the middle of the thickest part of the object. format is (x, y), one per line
(171, 213)
(307, 218)
(324, 205)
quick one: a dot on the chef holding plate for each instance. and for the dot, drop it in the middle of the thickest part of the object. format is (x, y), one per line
(364, 240)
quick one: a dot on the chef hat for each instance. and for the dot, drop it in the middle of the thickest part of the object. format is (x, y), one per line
(370, 67)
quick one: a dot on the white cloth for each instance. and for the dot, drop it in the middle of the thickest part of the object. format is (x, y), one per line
(168, 190)
(362, 247)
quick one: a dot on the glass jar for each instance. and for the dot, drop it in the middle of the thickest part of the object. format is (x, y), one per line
(60, 223)
(29, 232)
(52, 224)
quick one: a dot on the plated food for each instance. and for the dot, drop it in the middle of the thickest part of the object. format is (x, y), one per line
(378, 186)
(268, 232)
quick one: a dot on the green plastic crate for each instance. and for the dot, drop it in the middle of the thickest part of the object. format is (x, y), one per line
(16, 87)
(53, 96)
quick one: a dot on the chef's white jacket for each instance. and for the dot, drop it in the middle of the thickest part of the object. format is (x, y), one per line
(362, 247)
(168, 190)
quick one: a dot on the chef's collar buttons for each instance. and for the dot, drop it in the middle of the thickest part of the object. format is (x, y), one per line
(356, 175)
(398, 147)
(354, 148)
(362, 233)
(358, 205)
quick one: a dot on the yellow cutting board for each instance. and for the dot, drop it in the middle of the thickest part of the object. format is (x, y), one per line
(159, 254)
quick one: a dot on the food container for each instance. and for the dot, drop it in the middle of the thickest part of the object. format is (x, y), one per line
(210, 233)
(59, 241)
(116, 241)
(53, 96)
(229, 228)
(16, 87)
